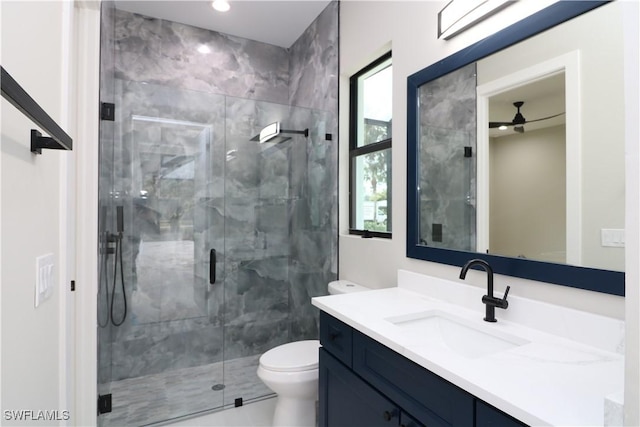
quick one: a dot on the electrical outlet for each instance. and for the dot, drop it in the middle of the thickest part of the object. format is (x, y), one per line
(45, 278)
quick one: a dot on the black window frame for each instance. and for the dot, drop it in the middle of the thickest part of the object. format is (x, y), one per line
(355, 152)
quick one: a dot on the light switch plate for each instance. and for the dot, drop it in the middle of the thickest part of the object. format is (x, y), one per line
(612, 237)
(45, 278)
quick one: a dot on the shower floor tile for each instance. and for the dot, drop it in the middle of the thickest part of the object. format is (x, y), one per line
(160, 397)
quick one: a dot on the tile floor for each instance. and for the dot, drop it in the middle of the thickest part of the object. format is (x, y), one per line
(169, 395)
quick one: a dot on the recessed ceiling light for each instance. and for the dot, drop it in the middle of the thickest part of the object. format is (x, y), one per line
(203, 48)
(221, 5)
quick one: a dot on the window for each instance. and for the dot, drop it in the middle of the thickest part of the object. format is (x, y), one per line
(370, 150)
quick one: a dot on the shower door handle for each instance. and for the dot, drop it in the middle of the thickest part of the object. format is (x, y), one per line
(212, 266)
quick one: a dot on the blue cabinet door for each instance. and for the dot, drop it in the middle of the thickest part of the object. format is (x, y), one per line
(429, 398)
(348, 401)
(407, 421)
(488, 416)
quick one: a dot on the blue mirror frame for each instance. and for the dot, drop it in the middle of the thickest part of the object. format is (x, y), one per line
(605, 281)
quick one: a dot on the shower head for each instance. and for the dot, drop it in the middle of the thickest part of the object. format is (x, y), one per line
(273, 130)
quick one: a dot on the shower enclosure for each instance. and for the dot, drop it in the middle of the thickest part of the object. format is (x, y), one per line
(211, 244)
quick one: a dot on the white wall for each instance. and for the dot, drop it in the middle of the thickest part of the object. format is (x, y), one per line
(528, 198)
(368, 29)
(632, 215)
(36, 49)
(88, 84)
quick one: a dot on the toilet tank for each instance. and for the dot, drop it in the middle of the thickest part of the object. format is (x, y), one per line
(344, 287)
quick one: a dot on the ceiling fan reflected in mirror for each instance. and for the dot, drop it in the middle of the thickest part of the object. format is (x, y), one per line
(518, 121)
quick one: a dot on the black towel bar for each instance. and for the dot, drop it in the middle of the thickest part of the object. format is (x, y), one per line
(20, 99)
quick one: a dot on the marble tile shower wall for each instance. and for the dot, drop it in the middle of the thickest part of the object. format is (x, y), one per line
(106, 170)
(313, 67)
(313, 73)
(447, 177)
(269, 211)
(164, 52)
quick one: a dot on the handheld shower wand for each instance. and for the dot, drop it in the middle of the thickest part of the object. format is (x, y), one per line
(118, 260)
(107, 239)
(103, 280)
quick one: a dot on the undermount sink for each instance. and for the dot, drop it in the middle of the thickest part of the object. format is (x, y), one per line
(460, 335)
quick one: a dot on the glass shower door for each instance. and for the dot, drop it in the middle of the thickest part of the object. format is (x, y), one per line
(167, 167)
(171, 256)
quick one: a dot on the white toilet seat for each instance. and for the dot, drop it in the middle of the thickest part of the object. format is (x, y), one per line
(292, 357)
(277, 380)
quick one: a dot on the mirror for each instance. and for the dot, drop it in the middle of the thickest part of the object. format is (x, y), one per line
(543, 198)
(526, 180)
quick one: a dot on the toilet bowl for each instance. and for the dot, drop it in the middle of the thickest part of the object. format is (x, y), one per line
(291, 371)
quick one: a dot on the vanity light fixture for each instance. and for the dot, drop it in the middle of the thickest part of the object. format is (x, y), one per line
(459, 15)
(221, 5)
(503, 127)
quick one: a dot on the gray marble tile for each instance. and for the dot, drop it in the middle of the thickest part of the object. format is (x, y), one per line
(164, 52)
(158, 348)
(314, 63)
(447, 180)
(178, 392)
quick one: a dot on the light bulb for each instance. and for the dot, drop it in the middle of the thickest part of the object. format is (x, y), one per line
(221, 5)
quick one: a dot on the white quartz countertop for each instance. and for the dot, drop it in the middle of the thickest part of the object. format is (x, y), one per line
(567, 363)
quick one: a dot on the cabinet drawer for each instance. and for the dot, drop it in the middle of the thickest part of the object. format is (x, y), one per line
(336, 337)
(430, 399)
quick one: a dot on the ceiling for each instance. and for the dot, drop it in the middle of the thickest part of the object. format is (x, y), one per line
(274, 22)
(542, 98)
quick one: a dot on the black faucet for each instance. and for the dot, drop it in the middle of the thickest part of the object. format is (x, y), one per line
(489, 300)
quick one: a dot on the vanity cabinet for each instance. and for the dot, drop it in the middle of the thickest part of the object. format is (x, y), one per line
(488, 416)
(364, 383)
(347, 400)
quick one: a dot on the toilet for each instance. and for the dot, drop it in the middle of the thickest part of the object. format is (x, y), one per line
(291, 371)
